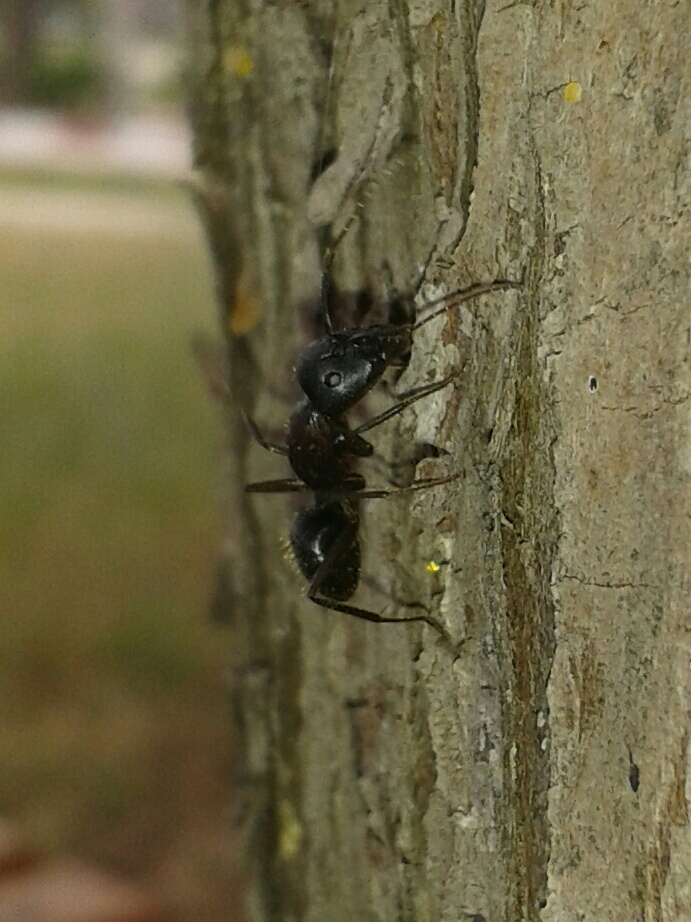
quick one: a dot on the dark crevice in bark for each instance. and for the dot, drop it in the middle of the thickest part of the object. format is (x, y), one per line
(474, 12)
(208, 109)
(266, 679)
(528, 538)
(286, 860)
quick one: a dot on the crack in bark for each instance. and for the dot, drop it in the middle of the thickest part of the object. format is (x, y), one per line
(609, 584)
(634, 410)
(475, 14)
(528, 540)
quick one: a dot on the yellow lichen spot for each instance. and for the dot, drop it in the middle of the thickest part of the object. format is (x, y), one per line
(432, 567)
(246, 309)
(239, 61)
(290, 831)
(573, 92)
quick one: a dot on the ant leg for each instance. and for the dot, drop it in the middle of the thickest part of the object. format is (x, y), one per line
(424, 484)
(260, 437)
(366, 615)
(330, 562)
(462, 295)
(277, 486)
(351, 484)
(406, 401)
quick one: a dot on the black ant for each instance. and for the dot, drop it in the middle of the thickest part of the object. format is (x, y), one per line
(335, 373)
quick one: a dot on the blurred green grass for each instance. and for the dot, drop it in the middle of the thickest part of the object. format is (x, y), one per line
(108, 450)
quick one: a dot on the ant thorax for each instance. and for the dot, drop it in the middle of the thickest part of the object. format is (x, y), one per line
(323, 450)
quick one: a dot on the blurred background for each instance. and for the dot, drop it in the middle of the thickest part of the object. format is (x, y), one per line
(115, 745)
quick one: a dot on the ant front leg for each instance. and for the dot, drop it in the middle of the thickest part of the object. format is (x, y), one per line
(411, 397)
(459, 297)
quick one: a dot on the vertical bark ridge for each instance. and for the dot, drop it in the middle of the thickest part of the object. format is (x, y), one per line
(528, 538)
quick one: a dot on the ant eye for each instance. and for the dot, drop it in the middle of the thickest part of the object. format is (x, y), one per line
(333, 379)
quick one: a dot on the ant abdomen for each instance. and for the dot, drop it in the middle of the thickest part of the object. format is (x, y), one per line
(324, 533)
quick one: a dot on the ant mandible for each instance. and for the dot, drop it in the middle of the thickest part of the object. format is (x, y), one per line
(335, 373)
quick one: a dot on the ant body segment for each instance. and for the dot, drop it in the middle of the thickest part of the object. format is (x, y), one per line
(335, 373)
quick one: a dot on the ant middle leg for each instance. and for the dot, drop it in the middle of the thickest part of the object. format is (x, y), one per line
(284, 485)
(422, 484)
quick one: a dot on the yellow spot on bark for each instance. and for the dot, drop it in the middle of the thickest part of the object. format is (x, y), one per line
(432, 567)
(290, 831)
(239, 61)
(573, 92)
(246, 309)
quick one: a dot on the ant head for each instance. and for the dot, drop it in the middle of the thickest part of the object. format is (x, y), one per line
(337, 371)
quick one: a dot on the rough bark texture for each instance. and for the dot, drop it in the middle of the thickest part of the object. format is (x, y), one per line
(540, 772)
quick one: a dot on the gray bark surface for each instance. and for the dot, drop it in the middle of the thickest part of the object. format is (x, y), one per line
(540, 771)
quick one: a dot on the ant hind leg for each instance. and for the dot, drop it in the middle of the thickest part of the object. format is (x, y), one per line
(332, 563)
(366, 615)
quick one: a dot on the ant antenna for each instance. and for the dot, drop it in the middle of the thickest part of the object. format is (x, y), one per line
(329, 256)
(330, 252)
(324, 290)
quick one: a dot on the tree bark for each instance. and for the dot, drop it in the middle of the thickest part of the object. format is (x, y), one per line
(540, 770)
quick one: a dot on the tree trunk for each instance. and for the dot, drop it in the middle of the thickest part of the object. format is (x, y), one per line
(540, 769)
